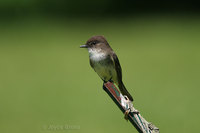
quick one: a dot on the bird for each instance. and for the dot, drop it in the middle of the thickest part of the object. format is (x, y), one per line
(105, 62)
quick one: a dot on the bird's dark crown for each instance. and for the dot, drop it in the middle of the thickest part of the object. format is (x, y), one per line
(95, 40)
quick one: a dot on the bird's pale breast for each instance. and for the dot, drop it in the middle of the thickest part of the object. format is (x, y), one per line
(103, 66)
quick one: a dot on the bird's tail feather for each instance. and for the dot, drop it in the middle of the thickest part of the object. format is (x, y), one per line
(124, 91)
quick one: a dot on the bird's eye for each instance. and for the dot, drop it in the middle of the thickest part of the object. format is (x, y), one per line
(93, 43)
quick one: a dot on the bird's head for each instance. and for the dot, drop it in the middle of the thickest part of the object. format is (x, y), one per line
(95, 42)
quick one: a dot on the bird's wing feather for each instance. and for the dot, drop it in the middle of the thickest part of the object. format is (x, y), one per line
(117, 66)
(119, 76)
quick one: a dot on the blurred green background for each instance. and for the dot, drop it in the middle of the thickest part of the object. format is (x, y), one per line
(47, 85)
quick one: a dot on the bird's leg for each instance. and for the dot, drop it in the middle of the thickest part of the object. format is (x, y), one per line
(110, 80)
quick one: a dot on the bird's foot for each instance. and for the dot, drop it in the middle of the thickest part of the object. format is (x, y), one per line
(110, 80)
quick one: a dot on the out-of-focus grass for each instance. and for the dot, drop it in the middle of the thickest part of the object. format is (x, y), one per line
(45, 79)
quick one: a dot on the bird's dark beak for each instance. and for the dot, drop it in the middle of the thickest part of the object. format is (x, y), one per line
(84, 46)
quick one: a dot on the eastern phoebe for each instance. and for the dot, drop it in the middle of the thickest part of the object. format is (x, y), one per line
(105, 63)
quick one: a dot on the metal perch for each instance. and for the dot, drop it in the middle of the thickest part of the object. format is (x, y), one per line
(124, 104)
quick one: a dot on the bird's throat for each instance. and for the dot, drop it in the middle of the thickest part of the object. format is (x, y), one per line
(96, 54)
